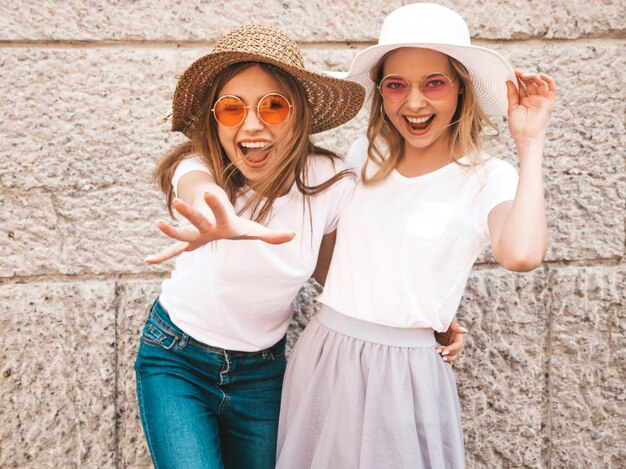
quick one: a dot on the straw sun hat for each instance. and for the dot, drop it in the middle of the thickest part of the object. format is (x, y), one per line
(431, 26)
(333, 101)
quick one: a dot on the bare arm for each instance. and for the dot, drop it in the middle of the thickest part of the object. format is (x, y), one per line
(191, 188)
(324, 257)
(518, 228)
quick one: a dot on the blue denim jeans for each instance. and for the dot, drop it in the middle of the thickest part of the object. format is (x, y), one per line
(206, 407)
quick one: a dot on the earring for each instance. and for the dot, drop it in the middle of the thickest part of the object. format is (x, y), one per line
(383, 115)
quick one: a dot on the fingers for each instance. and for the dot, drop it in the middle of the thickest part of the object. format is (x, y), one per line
(252, 230)
(217, 207)
(512, 94)
(535, 84)
(449, 352)
(167, 253)
(455, 347)
(523, 91)
(181, 234)
(550, 82)
(194, 216)
(277, 237)
(527, 82)
(446, 355)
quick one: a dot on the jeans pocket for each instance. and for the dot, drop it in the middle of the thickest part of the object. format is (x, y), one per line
(154, 334)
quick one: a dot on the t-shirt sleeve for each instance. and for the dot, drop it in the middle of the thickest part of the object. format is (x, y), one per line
(357, 155)
(501, 185)
(341, 194)
(193, 163)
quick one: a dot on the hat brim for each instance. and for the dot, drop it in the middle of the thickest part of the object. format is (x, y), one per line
(333, 101)
(488, 70)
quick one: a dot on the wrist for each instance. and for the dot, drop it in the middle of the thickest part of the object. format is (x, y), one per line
(529, 147)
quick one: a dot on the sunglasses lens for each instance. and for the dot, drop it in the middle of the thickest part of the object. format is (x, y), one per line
(273, 109)
(229, 111)
(395, 88)
(436, 86)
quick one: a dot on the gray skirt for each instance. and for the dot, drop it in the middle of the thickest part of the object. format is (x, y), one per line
(362, 395)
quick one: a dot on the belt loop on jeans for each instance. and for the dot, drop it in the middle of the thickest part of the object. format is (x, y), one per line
(183, 342)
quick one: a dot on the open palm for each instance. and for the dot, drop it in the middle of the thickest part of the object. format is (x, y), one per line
(227, 225)
(530, 107)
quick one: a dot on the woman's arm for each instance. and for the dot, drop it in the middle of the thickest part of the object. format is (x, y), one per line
(212, 217)
(324, 257)
(191, 188)
(518, 228)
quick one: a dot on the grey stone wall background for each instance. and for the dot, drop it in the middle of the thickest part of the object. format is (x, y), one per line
(84, 86)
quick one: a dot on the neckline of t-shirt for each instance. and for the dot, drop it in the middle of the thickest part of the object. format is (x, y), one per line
(437, 172)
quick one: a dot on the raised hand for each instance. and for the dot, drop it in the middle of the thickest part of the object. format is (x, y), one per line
(530, 106)
(225, 225)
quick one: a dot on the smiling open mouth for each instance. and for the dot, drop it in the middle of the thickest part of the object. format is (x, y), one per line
(419, 124)
(255, 154)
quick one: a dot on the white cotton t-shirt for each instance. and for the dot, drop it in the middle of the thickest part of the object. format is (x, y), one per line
(238, 294)
(405, 246)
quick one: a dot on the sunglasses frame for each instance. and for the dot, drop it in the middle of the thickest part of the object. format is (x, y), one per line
(419, 86)
(245, 109)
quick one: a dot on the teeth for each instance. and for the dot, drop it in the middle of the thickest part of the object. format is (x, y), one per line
(417, 120)
(254, 144)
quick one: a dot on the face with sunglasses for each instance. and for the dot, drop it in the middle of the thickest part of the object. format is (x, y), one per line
(420, 92)
(252, 112)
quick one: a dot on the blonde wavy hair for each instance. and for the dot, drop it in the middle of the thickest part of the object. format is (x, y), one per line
(290, 163)
(466, 129)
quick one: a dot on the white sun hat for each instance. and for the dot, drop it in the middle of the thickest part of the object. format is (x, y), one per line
(432, 26)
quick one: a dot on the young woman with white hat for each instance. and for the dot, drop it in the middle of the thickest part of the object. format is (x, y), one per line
(211, 358)
(364, 387)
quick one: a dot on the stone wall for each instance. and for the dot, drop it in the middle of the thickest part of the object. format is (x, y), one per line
(85, 85)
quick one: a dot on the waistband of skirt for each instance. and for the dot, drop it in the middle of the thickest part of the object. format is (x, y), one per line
(375, 333)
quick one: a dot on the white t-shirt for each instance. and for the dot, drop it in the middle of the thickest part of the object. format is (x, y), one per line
(238, 294)
(405, 246)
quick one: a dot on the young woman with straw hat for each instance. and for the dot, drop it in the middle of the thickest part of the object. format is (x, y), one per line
(211, 358)
(364, 387)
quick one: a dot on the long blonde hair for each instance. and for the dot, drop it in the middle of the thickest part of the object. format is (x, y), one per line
(290, 162)
(466, 126)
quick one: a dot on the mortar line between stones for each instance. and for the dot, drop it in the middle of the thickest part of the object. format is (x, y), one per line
(548, 375)
(145, 276)
(116, 439)
(617, 37)
(149, 276)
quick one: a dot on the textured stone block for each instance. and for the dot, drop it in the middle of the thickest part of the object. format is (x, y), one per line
(83, 119)
(58, 375)
(100, 231)
(325, 20)
(493, 19)
(500, 373)
(134, 299)
(587, 367)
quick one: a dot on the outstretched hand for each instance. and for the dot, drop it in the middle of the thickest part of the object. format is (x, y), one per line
(226, 225)
(451, 342)
(530, 106)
